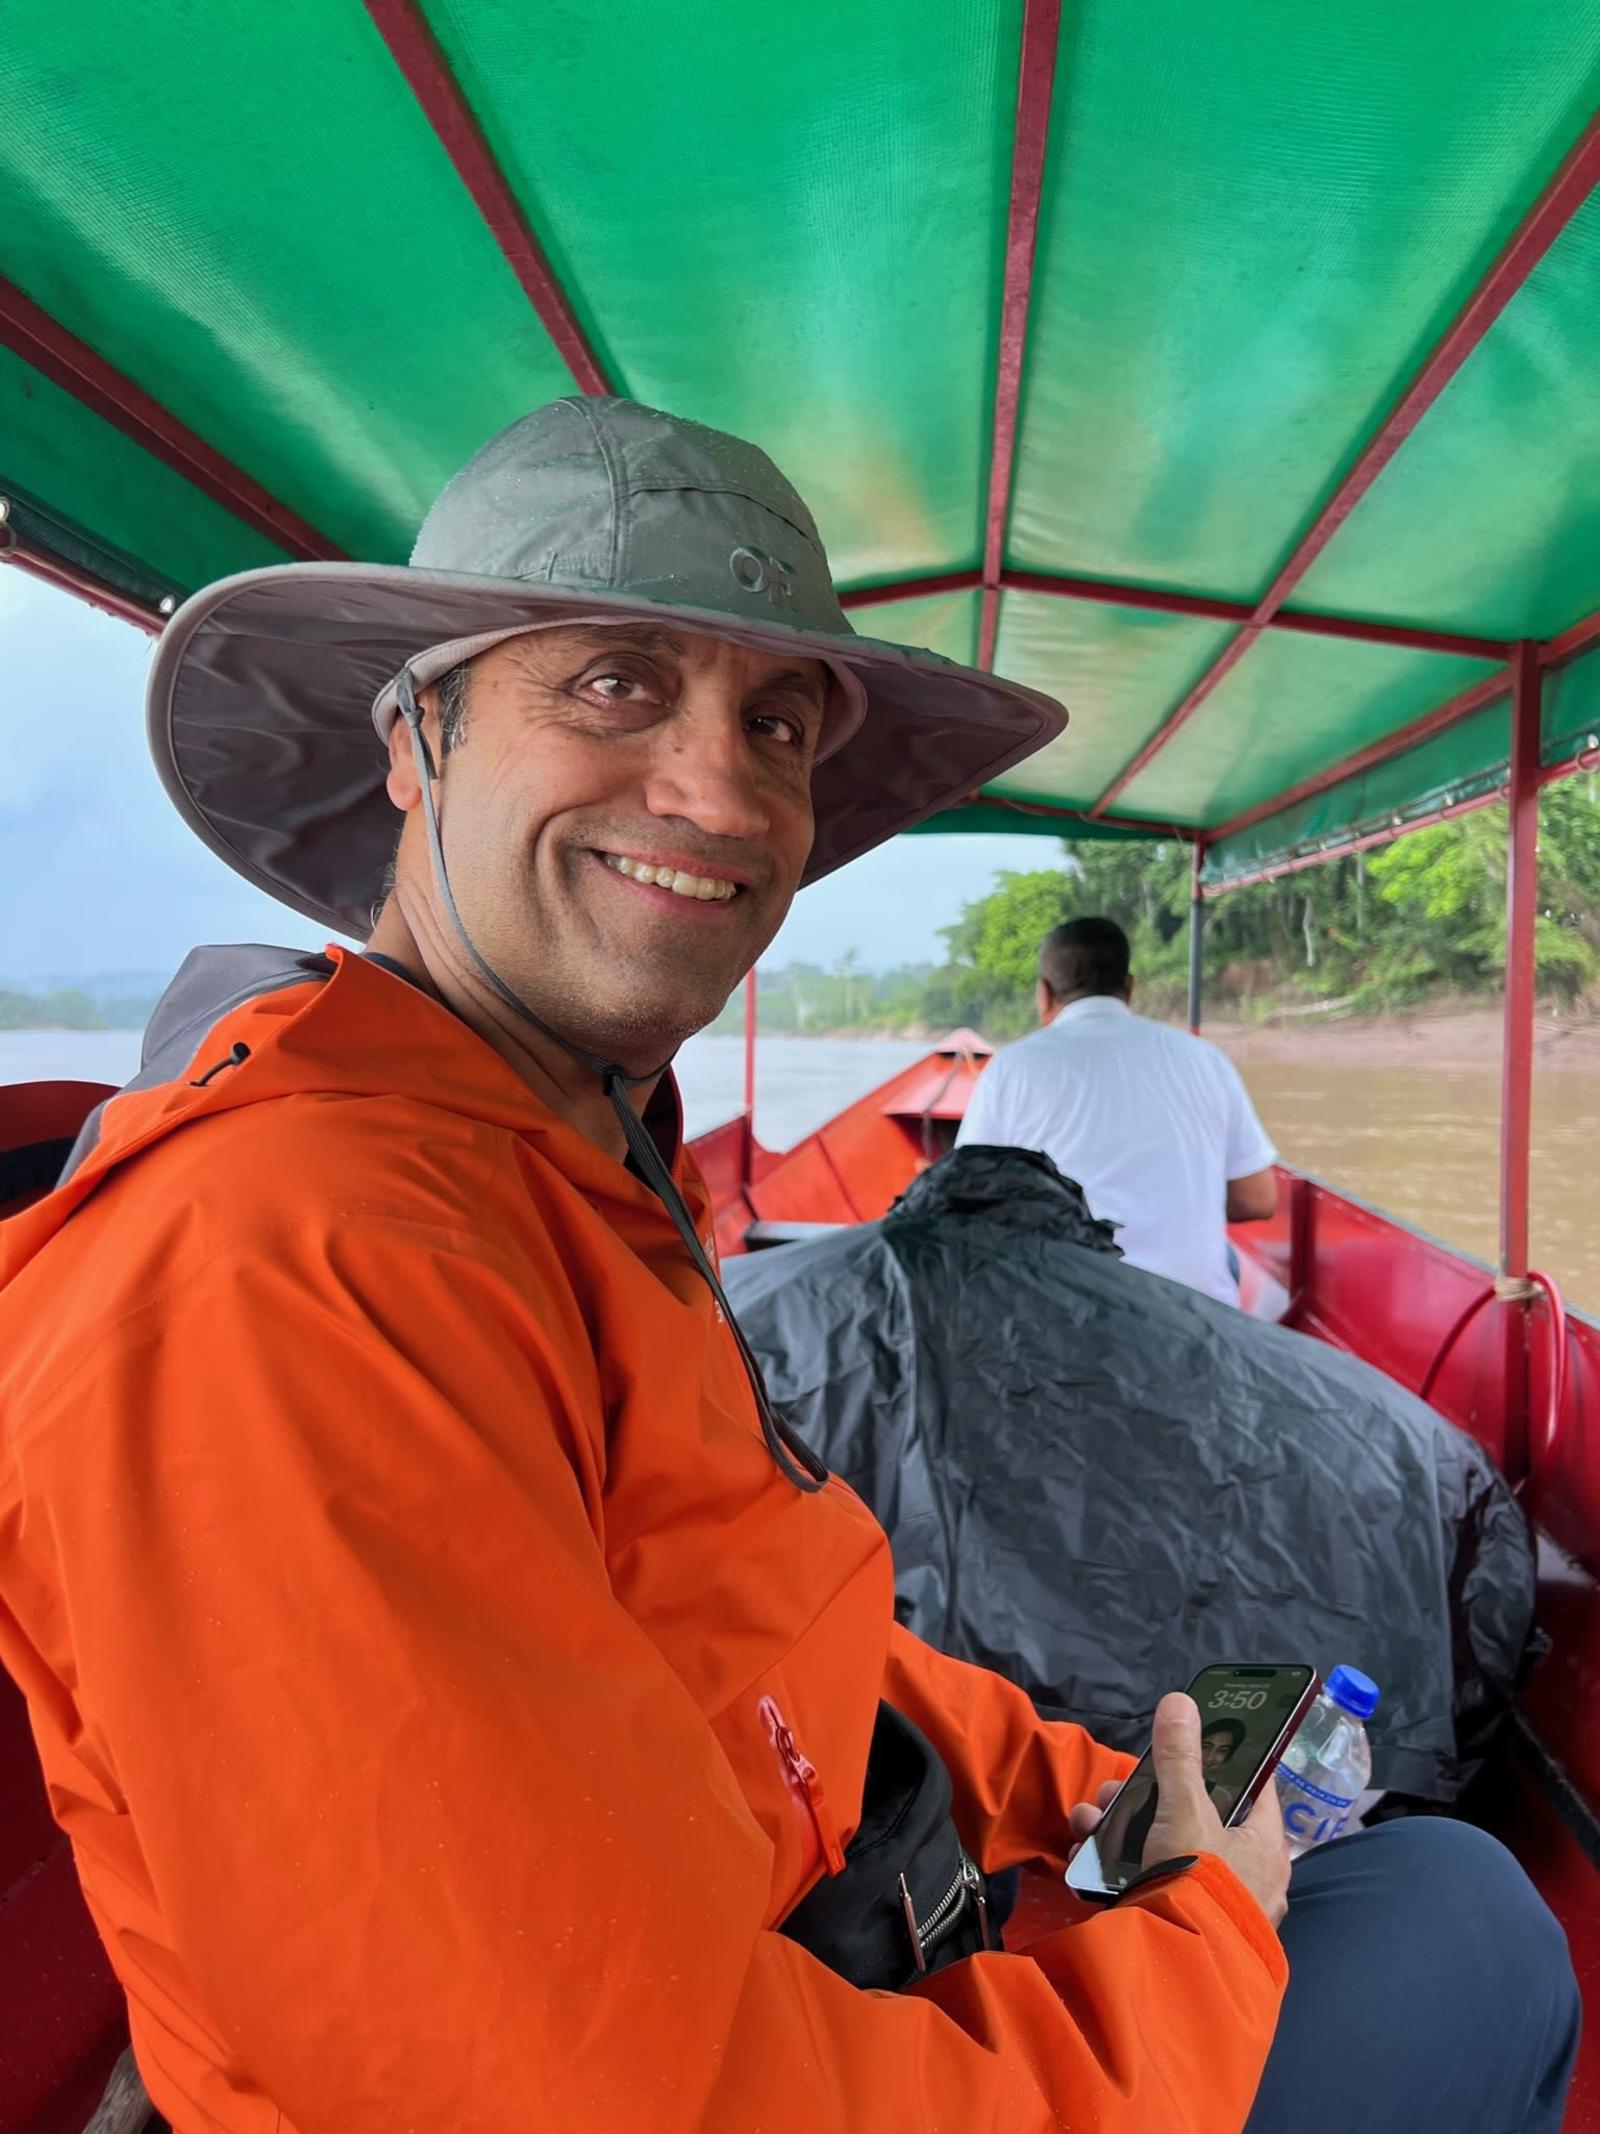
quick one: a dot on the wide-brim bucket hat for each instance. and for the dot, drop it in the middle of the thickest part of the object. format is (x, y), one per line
(271, 692)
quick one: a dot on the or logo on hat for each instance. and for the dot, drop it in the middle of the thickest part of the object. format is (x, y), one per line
(758, 572)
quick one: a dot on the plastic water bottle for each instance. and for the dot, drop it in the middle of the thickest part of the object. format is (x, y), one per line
(1327, 1766)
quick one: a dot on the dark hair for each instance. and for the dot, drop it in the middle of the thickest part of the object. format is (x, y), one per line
(1084, 956)
(1233, 1728)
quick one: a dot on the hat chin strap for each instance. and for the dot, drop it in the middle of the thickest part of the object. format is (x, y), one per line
(793, 1456)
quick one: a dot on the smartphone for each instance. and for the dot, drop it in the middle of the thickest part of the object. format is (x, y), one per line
(1248, 1717)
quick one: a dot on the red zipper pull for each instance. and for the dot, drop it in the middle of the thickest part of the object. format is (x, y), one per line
(803, 1779)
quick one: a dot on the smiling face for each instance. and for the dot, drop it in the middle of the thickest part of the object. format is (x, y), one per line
(1217, 1744)
(626, 816)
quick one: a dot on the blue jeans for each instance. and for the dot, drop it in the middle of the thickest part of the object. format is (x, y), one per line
(1430, 1992)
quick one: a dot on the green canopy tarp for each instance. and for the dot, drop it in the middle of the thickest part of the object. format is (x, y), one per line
(242, 228)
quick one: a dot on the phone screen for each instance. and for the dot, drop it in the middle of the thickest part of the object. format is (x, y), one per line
(1247, 1716)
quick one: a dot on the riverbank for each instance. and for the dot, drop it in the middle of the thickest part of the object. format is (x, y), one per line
(1455, 1034)
(1462, 1033)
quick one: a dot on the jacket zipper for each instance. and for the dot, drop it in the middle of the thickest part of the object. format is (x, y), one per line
(803, 1779)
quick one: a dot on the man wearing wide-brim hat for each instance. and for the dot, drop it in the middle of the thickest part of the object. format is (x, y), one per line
(472, 1706)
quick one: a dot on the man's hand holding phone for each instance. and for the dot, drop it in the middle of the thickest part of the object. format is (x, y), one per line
(1187, 1822)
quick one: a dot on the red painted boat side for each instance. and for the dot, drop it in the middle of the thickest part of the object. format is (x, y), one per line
(38, 1114)
(853, 1167)
(1528, 1822)
(51, 1961)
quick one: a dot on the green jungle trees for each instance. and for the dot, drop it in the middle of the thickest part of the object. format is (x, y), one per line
(1421, 919)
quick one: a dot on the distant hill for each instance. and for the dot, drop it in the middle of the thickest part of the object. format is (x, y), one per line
(116, 1000)
(99, 985)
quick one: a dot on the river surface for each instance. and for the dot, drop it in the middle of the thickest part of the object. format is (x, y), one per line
(1423, 1142)
(1420, 1140)
(800, 1081)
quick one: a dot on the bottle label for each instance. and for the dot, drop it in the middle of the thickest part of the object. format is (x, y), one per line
(1311, 1815)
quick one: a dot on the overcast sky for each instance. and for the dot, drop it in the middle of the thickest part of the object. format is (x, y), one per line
(98, 875)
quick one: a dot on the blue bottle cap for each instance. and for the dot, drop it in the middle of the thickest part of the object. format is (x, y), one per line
(1356, 1692)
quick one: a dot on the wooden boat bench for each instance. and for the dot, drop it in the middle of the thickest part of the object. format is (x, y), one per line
(761, 1236)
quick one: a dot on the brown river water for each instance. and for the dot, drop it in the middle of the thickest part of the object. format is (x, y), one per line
(1407, 1116)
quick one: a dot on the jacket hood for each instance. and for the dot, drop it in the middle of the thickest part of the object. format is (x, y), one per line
(250, 1024)
(210, 982)
(1018, 1187)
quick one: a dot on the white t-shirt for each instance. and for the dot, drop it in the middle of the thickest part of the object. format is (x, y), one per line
(1150, 1121)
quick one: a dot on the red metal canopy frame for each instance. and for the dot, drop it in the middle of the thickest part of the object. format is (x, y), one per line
(1165, 600)
(1478, 698)
(1584, 764)
(49, 347)
(1036, 73)
(1574, 642)
(1527, 776)
(44, 343)
(416, 52)
(1557, 652)
(1536, 233)
(1522, 893)
(1165, 832)
(94, 592)
(1368, 841)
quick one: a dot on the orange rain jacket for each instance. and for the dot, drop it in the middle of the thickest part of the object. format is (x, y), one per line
(397, 1579)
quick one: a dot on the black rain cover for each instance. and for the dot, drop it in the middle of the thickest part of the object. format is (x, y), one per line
(1096, 1481)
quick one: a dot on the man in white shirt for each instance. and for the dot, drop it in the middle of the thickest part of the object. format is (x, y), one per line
(1154, 1124)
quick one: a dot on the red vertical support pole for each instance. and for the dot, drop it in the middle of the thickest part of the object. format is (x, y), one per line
(1522, 893)
(749, 1142)
(1197, 938)
(1516, 1086)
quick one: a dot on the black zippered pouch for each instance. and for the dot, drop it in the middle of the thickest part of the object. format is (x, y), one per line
(908, 1899)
